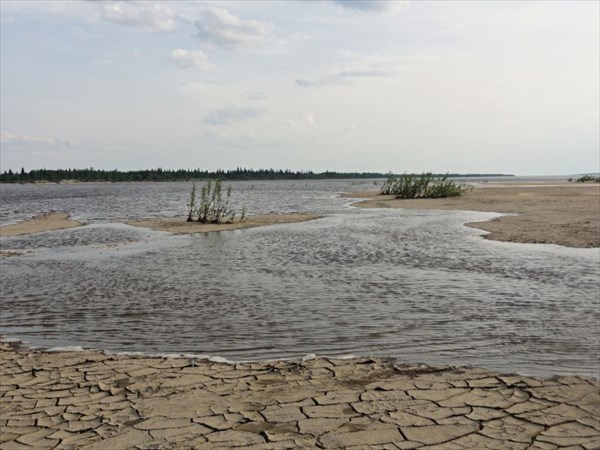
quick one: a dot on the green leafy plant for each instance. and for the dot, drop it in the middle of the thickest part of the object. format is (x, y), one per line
(191, 204)
(425, 185)
(586, 178)
(386, 187)
(213, 208)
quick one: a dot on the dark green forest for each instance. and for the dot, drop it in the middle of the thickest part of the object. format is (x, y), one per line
(91, 174)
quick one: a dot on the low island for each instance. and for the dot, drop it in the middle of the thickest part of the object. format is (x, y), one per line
(59, 220)
(180, 226)
(49, 221)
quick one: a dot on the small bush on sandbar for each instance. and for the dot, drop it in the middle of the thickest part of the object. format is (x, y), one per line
(425, 185)
(191, 204)
(586, 178)
(212, 207)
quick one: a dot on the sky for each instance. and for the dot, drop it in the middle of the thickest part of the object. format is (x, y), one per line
(344, 85)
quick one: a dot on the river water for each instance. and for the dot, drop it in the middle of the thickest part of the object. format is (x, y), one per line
(412, 284)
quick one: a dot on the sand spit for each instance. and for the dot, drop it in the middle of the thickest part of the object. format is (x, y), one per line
(44, 222)
(567, 214)
(180, 226)
(89, 400)
(12, 253)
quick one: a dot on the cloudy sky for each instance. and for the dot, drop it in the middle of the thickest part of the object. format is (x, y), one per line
(506, 87)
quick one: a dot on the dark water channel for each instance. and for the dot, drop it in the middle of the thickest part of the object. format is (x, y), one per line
(417, 285)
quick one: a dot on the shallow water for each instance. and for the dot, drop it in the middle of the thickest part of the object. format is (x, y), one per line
(417, 285)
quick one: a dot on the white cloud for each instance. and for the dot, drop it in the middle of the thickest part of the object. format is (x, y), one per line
(307, 118)
(102, 62)
(136, 52)
(324, 81)
(152, 16)
(227, 115)
(353, 65)
(36, 152)
(220, 28)
(195, 87)
(187, 59)
(17, 10)
(385, 6)
(342, 78)
(11, 140)
(257, 95)
(81, 34)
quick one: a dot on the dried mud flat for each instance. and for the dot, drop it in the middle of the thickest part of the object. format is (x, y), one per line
(566, 214)
(90, 400)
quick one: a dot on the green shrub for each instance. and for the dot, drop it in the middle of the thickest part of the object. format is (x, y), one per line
(422, 186)
(388, 184)
(191, 204)
(212, 208)
(587, 178)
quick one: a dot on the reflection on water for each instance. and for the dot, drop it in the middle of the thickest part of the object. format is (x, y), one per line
(417, 285)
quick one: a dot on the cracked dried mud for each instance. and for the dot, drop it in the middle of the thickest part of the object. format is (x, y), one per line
(90, 400)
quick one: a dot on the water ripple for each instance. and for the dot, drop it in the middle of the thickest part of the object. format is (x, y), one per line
(417, 285)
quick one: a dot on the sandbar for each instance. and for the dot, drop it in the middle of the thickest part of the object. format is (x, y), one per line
(566, 214)
(44, 222)
(181, 226)
(91, 400)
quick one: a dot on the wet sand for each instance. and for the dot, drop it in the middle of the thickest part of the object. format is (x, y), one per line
(565, 214)
(58, 220)
(89, 400)
(180, 226)
(44, 222)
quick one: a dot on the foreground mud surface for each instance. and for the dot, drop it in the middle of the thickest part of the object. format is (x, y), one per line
(567, 214)
(91, 400)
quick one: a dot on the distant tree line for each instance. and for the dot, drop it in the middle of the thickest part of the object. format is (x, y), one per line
(91, 174)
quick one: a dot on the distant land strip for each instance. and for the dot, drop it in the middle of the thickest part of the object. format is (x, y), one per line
(239, 174)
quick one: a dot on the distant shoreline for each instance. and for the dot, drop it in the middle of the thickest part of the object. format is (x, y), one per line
(68, 176)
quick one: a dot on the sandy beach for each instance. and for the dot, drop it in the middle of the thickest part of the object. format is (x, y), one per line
(565, 214)
(90, 400)
(180, 226)
(59, 220)
(44, 222)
